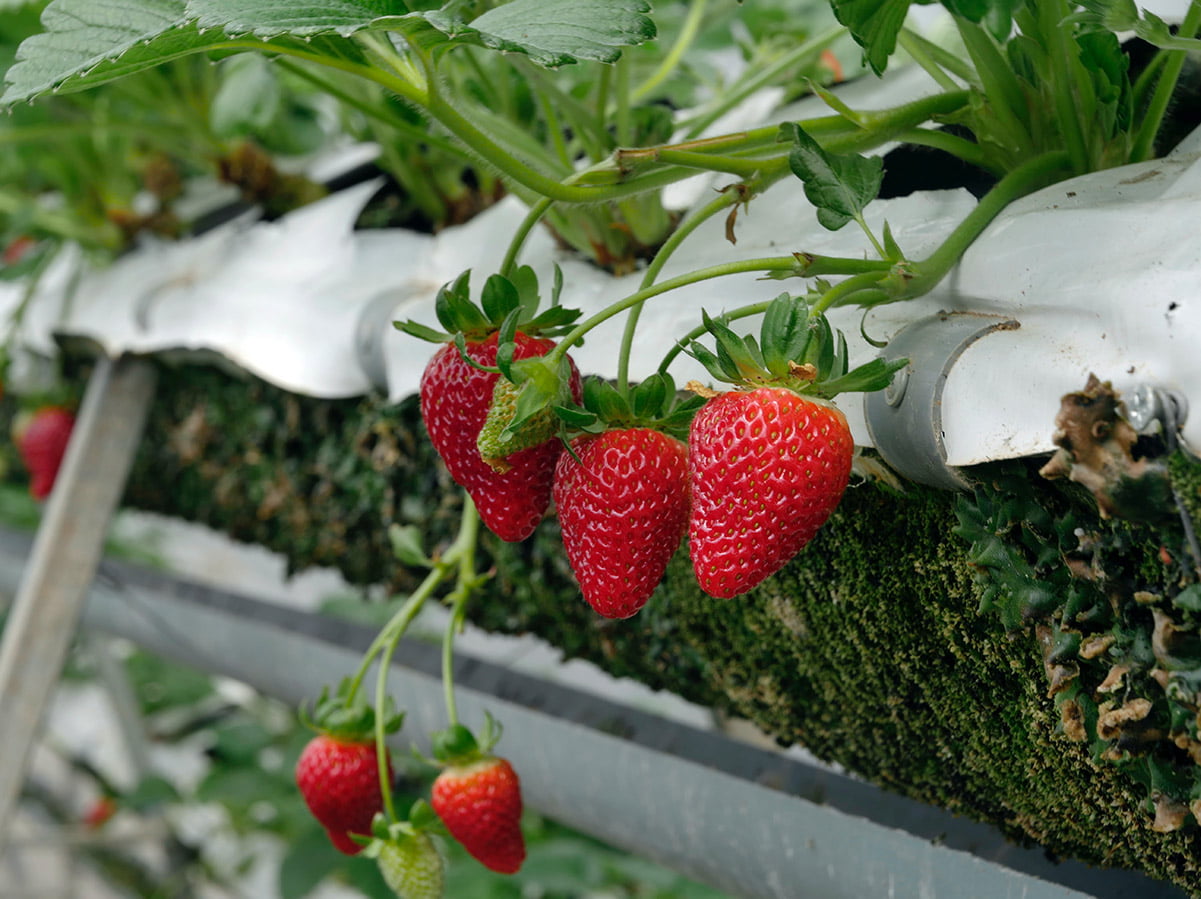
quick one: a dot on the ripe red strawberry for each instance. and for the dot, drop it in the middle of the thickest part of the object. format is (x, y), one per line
(768, 466)
(42, 443)
(99, 813)
(412, 866)
(623, 508)
(339, 780)
(480, 804)
(455, 398)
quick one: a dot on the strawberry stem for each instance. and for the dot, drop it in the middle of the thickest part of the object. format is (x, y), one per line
(732, 196)
(701, 330)
(469, 579)
(459, 555)
(763, 264)
(381, 714)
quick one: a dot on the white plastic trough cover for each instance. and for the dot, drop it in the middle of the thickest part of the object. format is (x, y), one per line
(1095, 270)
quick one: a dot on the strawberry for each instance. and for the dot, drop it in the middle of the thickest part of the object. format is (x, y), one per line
(479, 801)
(339, 780)
(99, 813)
(768, 466)
(769, 462)
(455, 398)
(511, 488)
(42, 442)
(412, 866)
(622, 500)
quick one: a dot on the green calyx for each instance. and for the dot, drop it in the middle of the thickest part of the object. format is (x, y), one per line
(457, 745)
(511, 301)
(653, 403)
(796, 349)
(422, 819)
(344, 716)
(521, 414)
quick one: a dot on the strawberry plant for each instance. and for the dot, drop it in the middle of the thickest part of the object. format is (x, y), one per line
(558, 110)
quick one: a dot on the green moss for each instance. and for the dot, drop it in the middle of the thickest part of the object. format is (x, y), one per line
(870, 649)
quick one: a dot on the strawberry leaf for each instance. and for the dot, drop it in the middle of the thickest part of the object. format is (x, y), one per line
(838, 185)
(270, 18)
(874, 24)
(566, 31)
(84, 43)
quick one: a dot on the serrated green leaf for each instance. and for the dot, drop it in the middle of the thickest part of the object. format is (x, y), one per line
(566, 31)
(874, 24)
(838, 185)
(87, 42)
(270, 18)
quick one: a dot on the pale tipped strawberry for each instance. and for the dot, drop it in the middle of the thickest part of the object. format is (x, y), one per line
(478, 797)
(42, 440)
(770, 460)
(622, 496)
(338, 771)
(512, 489)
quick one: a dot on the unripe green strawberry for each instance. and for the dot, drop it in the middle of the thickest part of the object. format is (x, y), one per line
(412, 866)
(768, 466)
(494, 445)
(339, 780)
(480, 804)
(455, 398)
(623, 508)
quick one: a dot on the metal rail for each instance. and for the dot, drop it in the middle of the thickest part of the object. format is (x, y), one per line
(746, 820)
(63, 559)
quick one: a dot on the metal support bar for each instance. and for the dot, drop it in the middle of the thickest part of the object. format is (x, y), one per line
(64, 558)
(758, 824)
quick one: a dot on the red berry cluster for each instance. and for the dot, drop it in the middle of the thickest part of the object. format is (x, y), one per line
(766, 468)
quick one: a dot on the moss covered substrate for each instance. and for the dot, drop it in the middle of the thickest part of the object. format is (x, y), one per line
(868, 649)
